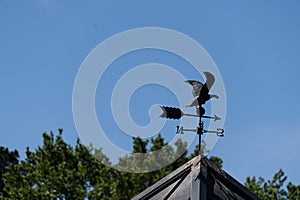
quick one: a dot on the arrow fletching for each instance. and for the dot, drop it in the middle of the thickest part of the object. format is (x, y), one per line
(171, 113)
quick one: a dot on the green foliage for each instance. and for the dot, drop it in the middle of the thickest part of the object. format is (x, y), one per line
(203, 151)
(6, 157)
(293, 191)
(158, 153)
(139, 146)
(273, 189)
(217, 161)
(57, 170)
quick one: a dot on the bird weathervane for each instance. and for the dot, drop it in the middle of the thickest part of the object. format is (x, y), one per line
(201, 96)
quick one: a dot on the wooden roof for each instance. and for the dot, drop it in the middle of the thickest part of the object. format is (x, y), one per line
(197, 179)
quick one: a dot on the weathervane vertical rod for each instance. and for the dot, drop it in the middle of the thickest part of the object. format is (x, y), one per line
(200, 129)
(199, 145)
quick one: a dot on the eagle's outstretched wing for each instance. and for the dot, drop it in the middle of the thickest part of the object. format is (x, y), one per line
(210, 79)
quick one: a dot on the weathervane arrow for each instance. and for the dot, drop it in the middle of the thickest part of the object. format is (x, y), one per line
(176, 113)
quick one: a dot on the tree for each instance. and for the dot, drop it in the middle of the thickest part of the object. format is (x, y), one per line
(57, 170)
(273, 189)
(180, 153)
(293, 191)
(217, 161)
(139, 146)
(6, 157)
(158, 153)
(203, 151)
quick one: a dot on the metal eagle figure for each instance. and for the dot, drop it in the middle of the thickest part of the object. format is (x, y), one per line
(201, 94)
(200, 91)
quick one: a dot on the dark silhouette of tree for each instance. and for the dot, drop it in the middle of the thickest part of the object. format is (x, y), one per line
(217, 161)
(6, 157)
(139, 146)
(273, 189)
(57, 170)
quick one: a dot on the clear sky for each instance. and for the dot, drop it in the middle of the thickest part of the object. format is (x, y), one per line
(255, 45)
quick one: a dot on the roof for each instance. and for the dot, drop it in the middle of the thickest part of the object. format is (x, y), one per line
(197, 179)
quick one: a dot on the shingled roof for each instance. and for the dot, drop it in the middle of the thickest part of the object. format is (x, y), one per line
(197, 179)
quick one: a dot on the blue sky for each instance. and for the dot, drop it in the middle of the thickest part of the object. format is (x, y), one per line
(255, 45)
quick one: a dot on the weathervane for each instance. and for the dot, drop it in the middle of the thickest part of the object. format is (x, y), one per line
(201, 96)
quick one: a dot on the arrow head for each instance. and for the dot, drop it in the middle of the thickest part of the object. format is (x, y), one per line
(216, 118)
